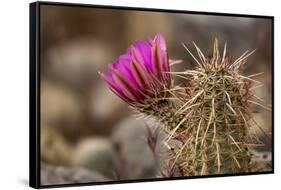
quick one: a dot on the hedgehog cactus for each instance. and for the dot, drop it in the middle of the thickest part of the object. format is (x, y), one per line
(215, 134)
(209, 113)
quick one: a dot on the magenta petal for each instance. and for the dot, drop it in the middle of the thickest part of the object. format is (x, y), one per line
(144, 53)
(165, 65)
(139, 71)
(165, 61)
(113, 87)
(126, 85)
(123, 67)
(108, 80)
(156, 59)
(164, 57)
(161, 42)
(150, 41)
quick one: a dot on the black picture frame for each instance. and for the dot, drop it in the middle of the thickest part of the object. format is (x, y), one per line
(34, 92)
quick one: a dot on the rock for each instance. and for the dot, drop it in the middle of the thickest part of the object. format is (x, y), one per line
(95, 154)
(59, 105)
(56, 175)
(133, 158)
(167, 165)
(261, 161)
(54, 147)
(138, 154)
(105, 104)
(77, 62)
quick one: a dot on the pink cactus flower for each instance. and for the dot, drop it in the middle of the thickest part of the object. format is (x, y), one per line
(141, 72)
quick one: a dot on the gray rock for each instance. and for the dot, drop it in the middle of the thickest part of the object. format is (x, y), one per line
(133, 158)
(55, 149)
(95, 154)
(55, 175)
(59, 105)
(141, 151)
(261, 161)
(104, 104)
(76, 62)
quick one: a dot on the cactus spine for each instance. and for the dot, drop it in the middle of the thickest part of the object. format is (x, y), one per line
(215, 137)
(211, 115)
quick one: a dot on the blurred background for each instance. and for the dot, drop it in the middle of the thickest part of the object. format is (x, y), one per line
(87, 133)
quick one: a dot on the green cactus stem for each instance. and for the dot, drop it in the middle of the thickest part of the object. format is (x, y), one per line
(217, 109)
(211, 115)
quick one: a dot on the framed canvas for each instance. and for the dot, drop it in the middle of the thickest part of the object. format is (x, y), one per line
(122, 94)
